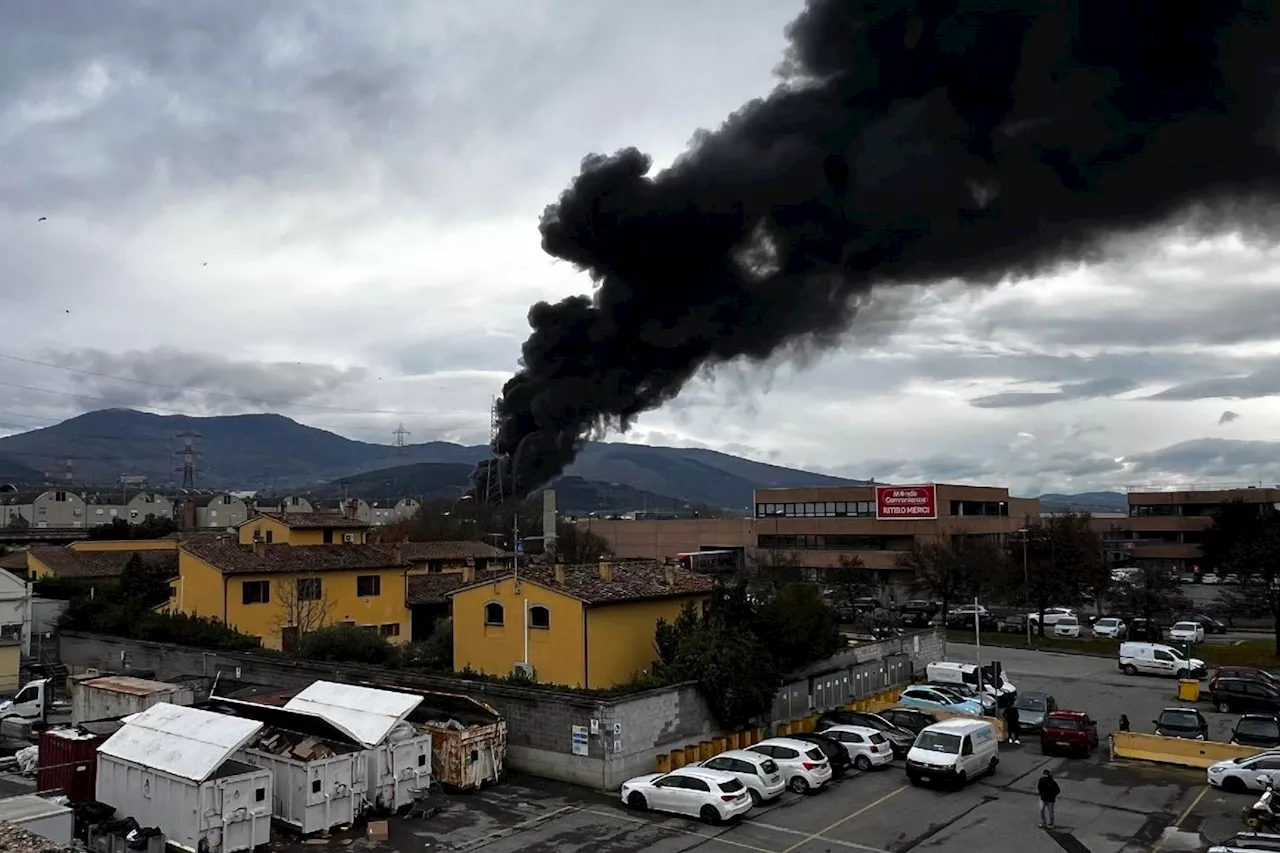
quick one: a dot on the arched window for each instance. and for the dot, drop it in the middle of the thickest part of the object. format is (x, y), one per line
(539, 617)
(493, 613)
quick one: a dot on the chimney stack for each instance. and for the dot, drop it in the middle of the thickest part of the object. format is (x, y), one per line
(560, 573)
(670, 572)
(468, 574)
(606, 571)
(259, 548)
(397, 553)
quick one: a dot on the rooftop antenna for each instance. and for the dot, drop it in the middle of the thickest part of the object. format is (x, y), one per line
(493, 473)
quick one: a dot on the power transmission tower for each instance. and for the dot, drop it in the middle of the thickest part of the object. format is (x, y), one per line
(189, 455)
(400, 432)
(493, 472)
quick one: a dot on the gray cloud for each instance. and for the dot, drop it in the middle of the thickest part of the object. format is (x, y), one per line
(1263, 382)
(1107, 386)
(1218, 460)
(1228, 417)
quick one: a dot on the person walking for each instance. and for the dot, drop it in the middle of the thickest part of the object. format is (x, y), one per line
(1049, 791)
(1124, 723)
(1011, 725)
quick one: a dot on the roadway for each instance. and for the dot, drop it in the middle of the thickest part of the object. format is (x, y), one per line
(1106, 806)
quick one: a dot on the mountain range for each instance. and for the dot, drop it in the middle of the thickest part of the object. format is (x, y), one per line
(272, 453)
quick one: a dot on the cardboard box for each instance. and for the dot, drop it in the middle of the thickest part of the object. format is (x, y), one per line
(377, 830)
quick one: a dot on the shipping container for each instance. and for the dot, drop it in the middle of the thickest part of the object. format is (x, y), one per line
(369, 716)
(468, 739)
(39, 816)
(318, 772)
(110, 697)
(172, 767)
(68, 763)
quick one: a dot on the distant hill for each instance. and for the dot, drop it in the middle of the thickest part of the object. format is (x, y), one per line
(18, 474)
(273, 453)
(1085, 502)
(432, 481)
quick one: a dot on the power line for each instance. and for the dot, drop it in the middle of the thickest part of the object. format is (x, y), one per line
(187, 388)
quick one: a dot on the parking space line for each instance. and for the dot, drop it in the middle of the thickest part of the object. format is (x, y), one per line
(666, 828)
(1177, 824)
(515, 827)
(819, 835)
(852, 845)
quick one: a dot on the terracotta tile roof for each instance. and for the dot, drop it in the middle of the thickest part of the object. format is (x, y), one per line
(236, 559)
(15, 562)
(435, 588)
(632, 581)
(65, 563)
(313, 520)
(451, 551)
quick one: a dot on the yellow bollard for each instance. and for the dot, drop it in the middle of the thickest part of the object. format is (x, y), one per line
(784, 729)
(757, 734)
(802, 725)
(691, 754)
(677, 759)
(704, 750)
(733, 740)
(662, 763)
(718, 744)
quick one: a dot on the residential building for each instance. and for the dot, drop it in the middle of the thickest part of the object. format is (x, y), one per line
(587, 626)
(15, 609)
(167, 543)
(104, 564)
(1166, 529)
(10, 662)
(439, 568)
(303, 528)
(279, 591)
(288, 503)
(218, 511)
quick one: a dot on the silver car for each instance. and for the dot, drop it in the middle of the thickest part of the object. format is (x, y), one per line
(1249, 842)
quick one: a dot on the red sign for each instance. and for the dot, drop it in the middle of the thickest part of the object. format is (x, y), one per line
(899, 502)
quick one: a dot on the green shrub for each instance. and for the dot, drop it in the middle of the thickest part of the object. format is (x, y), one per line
(135, 622)
(348, 644)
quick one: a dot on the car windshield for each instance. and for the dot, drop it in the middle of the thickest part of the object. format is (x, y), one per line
(769, 766)
(1068, 621)
(1180, 719)
(731, 786)
(815, 755)
(1030, 702)
(1106, 623)
(1186, 626)
(1258, 727)
(1065, 723)
(939, 742)
(1177, 654)
(876, 738)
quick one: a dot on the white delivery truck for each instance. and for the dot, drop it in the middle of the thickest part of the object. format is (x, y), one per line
(953, 752)
(1158, 659)
(994, 681)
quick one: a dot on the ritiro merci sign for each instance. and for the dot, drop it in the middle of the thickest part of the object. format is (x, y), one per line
(907, 502)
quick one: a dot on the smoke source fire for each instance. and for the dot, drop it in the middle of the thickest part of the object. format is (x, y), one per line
(907, 142)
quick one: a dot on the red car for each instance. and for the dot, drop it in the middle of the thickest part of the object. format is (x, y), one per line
(1072, 732)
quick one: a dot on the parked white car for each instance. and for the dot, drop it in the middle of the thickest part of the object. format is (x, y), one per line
(867, 747)
(1187, 632)
(1066, 626)
(694, 791)
(1210, 578)
(759, 773)
(1051, 615)
(803, 765)
(1110, 628)
(1245, 774)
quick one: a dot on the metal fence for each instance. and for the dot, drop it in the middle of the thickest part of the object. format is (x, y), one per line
(833, 689)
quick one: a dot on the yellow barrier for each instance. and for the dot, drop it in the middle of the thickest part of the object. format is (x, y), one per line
(662, 763)
(691, 754)
(677, 759)
(1173, 750)
(718, 745)
(757, 734)
(704, 750)
(784, 729)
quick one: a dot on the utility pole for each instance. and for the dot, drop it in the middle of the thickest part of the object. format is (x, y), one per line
(189, 455)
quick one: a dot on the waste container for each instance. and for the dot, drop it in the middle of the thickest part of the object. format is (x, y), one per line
(1188, 690)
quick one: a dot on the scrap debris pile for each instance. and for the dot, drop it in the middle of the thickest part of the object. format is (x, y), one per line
(296, 746)
(15, 839)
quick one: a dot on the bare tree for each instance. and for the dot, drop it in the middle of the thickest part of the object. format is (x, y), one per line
(771, 568)
(303, 606)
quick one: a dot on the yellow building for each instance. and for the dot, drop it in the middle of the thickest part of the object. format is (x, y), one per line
(80, 563)
(10, 658)
(278, 592)
(303, 528)
(588, 626)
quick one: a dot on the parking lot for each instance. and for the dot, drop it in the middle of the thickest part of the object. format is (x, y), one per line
(1105, 806)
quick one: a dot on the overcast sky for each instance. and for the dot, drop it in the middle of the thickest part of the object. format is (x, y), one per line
(329, 209)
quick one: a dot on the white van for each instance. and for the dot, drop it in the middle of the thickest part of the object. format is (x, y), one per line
(952, 672)
(953, 751)
(1158, 659)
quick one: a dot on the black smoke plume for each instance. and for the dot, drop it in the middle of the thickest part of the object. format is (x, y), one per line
(908, 142)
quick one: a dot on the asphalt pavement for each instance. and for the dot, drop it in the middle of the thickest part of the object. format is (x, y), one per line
(1106, 806)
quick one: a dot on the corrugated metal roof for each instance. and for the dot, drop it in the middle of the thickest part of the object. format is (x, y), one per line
(183, 742)
(366, 714)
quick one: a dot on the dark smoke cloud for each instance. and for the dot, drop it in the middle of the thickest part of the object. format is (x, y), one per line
(909, 142)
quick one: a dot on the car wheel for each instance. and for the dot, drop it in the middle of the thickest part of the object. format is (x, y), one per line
(1129, 669)
(1224, 707)
(798, 785)
(637, 801)
(991, 768)
(709, 815)
(913, 779)
(756, 799)
(1234, 785)
(962, 779)
(862, 763)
